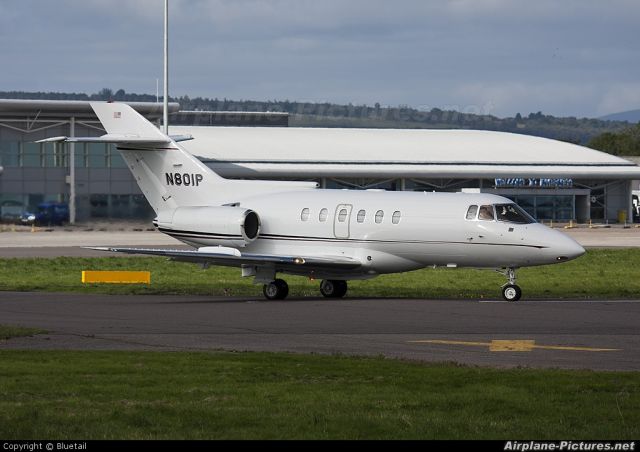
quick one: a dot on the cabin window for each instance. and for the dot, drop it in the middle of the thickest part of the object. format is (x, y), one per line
(395, 219)
(342, 215)
(472, 212)
(304, 215)
(323, 215)
(486, 213)
(379, 216)
(361, 215)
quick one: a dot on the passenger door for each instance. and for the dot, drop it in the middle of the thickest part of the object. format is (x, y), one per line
(341, 221)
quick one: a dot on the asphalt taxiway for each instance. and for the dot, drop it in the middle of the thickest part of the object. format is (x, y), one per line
(599, 335)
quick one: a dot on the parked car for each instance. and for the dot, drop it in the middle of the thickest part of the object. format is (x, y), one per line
(48, 213)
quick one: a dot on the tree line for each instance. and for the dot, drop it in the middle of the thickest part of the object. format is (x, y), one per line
(624, 142)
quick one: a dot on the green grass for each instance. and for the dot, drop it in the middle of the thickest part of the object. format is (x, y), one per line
(142, 395)
(9, 331)
(599, 273)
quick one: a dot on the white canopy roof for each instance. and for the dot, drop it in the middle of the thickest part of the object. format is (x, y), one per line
(314, 152)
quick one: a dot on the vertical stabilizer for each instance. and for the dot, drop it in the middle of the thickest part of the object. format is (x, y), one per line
(168, 175)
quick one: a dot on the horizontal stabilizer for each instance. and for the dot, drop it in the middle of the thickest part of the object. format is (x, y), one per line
(109, 138)
(124, 126)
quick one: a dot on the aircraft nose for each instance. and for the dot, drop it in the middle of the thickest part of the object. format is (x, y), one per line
(568, 249)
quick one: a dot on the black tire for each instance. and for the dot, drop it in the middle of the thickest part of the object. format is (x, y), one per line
(511, 292)
(276, 290)
(331, 288)
(342, 289)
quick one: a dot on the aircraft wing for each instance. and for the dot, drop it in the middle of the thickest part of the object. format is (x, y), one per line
(236, 259)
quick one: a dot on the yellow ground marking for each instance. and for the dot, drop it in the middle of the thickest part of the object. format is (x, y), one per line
(116, 277)
(525, 345)
(511, 346)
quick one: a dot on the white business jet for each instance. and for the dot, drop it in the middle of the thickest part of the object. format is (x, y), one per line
(271, 227)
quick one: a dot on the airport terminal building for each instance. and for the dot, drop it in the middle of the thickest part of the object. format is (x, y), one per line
(552, 180)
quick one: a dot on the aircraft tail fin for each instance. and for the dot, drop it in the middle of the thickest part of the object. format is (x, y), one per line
(168, 175)
(122, 120)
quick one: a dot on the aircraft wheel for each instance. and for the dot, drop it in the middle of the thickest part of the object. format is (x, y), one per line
(511, 292)
(331, 288)
(276, 290)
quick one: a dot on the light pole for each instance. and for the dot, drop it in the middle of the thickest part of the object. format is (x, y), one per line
(165, 106)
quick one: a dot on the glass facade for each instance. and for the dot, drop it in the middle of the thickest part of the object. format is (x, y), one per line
(103, 205)
(32, 155)
(35, 173)
(115, 159)
(363, 184)
(9, 154)
(97, 155)
(16, 154)
(547, 207)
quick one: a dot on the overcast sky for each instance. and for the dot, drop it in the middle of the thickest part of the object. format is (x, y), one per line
(563, 57)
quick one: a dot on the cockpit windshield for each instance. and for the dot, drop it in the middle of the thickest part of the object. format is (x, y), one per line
(512, 213)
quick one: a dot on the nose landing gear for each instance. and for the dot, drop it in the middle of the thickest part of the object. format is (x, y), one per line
(510, 291)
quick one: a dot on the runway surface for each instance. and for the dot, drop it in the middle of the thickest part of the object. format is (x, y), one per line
(601, 335)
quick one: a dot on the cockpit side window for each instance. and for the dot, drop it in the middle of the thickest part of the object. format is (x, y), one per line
(472, 212)
(486, 213)
(513, 213)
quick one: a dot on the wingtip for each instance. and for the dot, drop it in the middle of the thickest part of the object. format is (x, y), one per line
(97, 248)
(52, 139)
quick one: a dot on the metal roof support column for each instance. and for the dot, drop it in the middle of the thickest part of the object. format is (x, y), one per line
(72, 172)
(629, 195)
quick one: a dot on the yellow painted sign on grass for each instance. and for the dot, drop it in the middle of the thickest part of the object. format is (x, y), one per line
(116, 277)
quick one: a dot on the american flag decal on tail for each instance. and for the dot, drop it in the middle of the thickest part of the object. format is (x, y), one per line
(117, 115)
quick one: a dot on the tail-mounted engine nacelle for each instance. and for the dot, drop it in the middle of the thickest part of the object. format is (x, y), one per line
(233, 225)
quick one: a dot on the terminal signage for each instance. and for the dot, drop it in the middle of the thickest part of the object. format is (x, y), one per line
(533, 182)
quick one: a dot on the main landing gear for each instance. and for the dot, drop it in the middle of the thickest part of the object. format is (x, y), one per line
(332, 288)
(279, 289)
(510, 291)
(276, 290)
